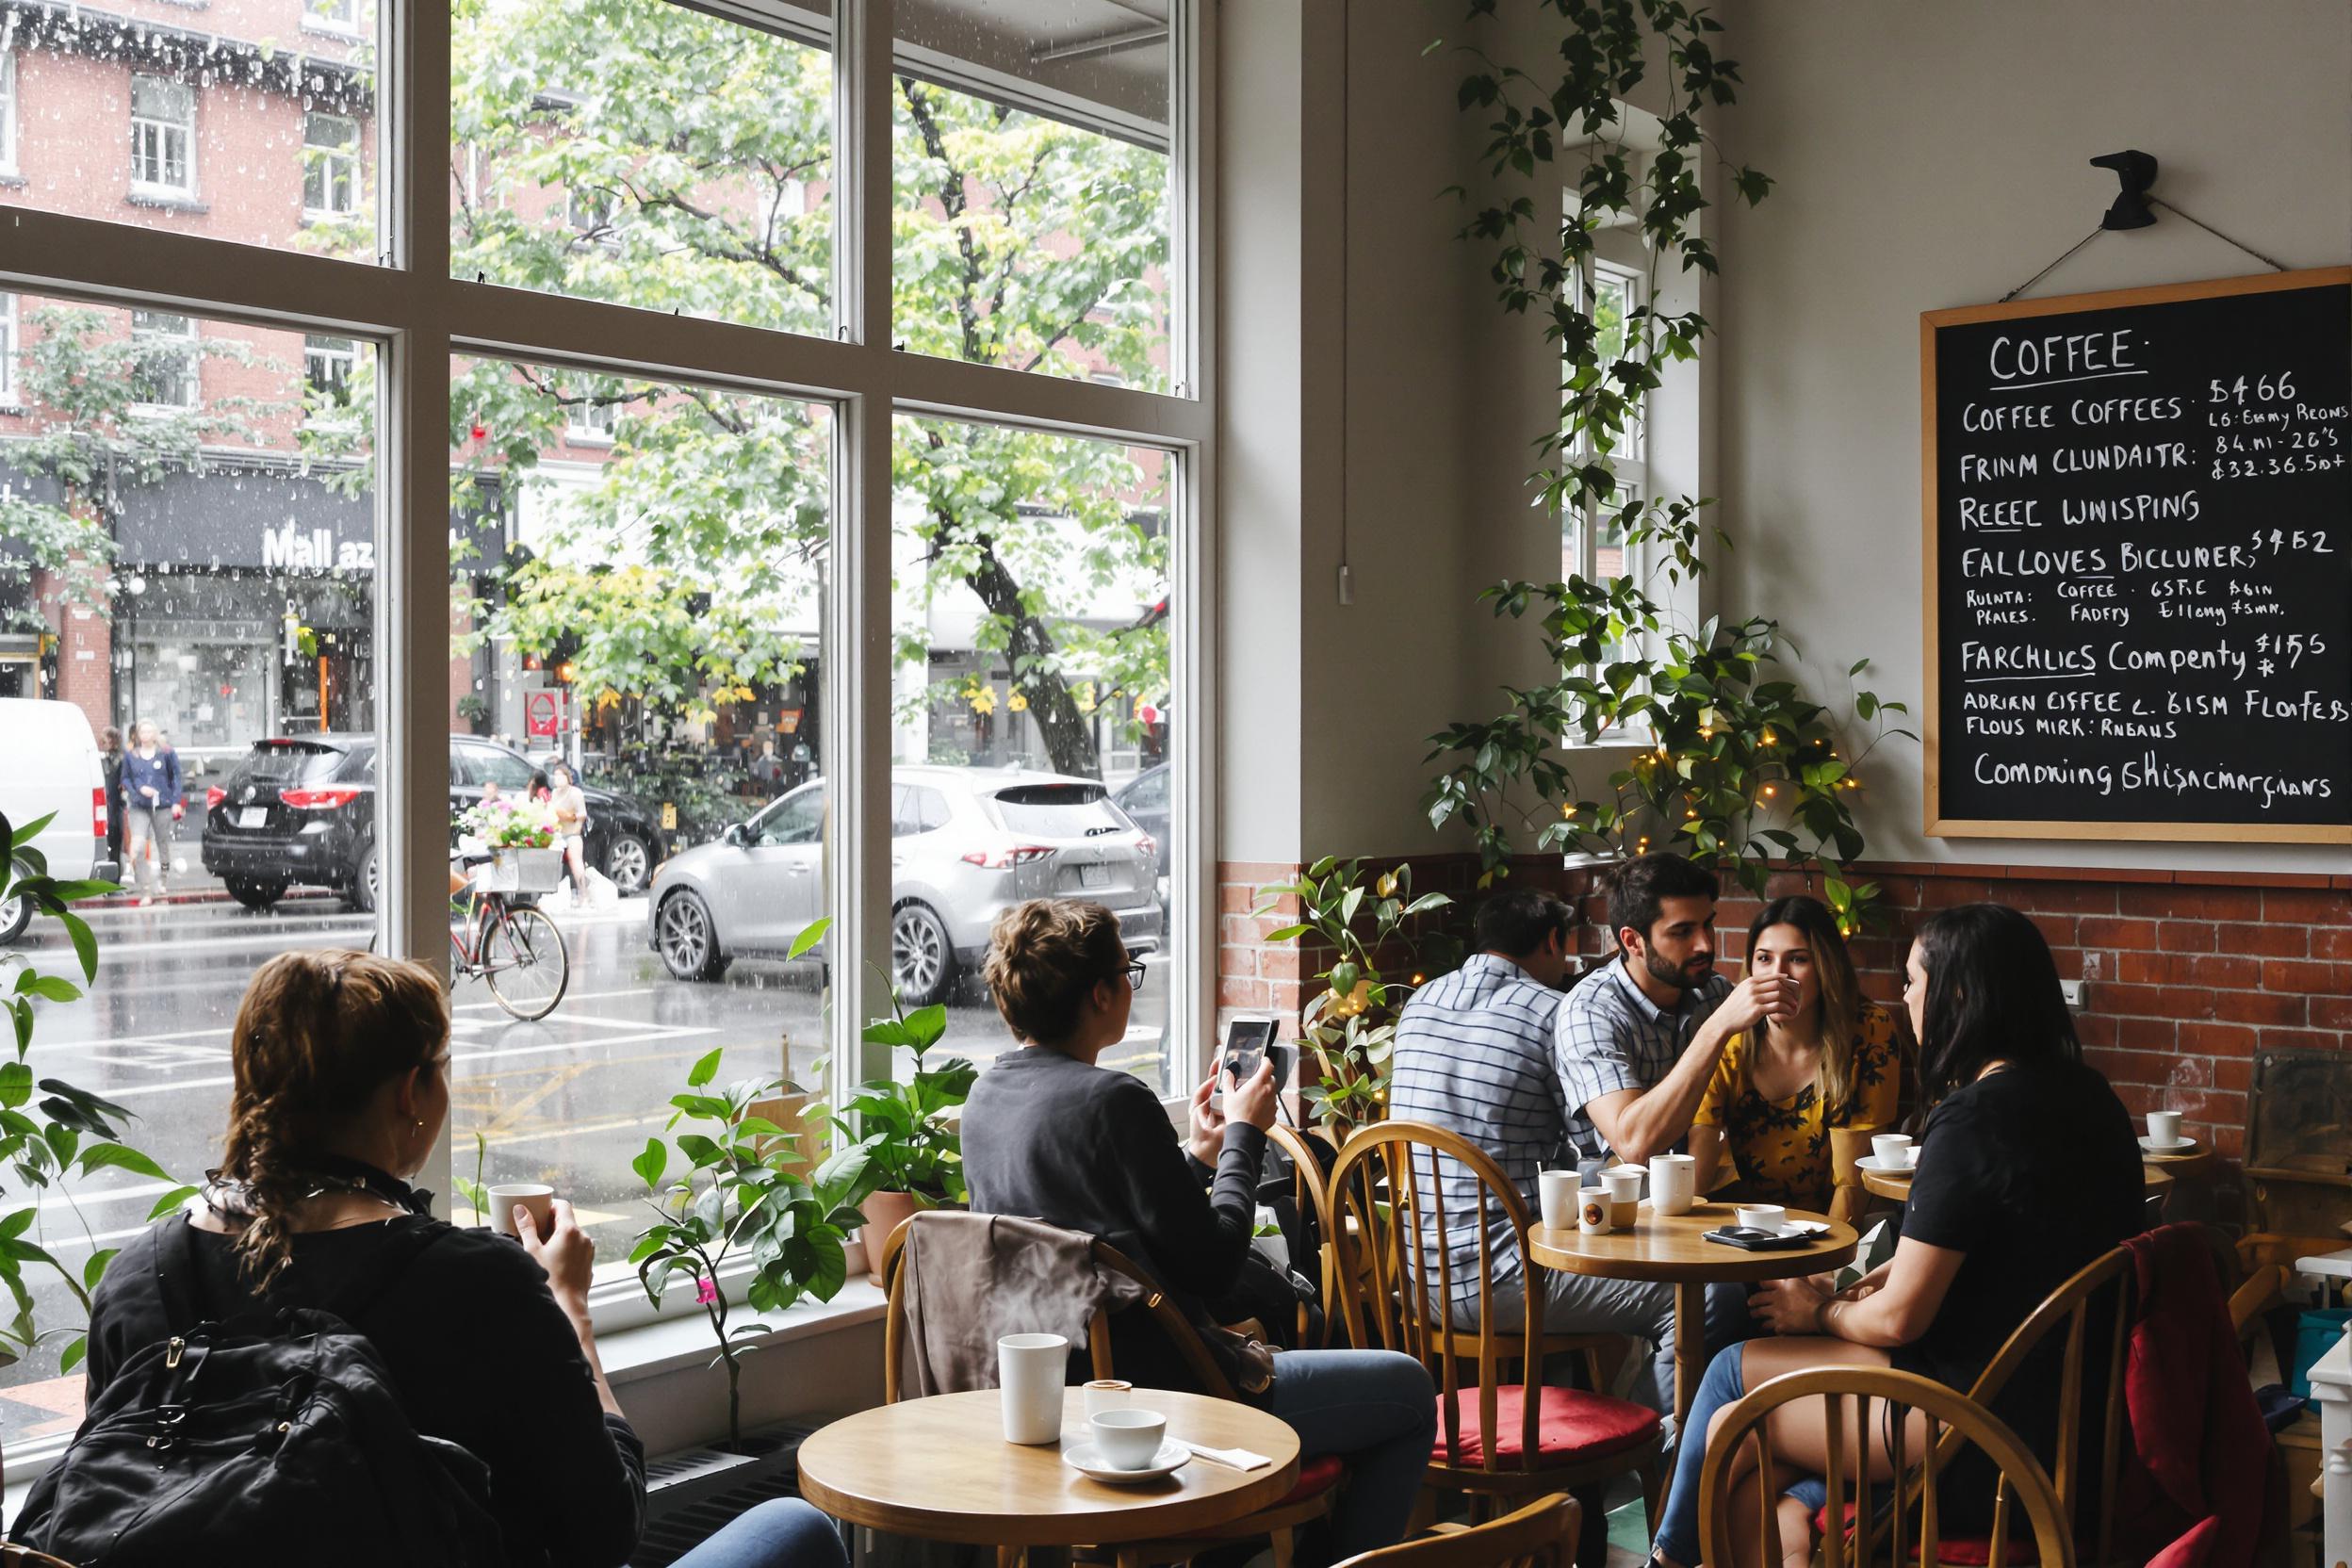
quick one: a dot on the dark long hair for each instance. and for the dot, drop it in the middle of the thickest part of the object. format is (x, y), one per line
(1841, 1001)
(1993, 994)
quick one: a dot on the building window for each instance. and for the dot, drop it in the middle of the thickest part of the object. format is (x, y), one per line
(1592, 542)
(8, 350)
(329, 166)
(327, 367)
(163, 138)
(593, 212)
(166, 373)
(592, 424)
(331, 16)
(7, 111)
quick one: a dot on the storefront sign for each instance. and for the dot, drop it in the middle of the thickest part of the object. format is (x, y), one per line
(315, 551)
(543, 716)
(788, 721)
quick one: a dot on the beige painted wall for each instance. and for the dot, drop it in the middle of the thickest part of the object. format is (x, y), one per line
(1936, 155)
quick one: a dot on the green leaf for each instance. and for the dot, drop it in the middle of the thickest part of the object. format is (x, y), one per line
(171, 1202)
(16, 1221)
(100, 1157)
(85, 945)
(810, 936)
(31, 830)
(705, 1069)
(97, 1266)
(48, 986)
(16, 1084)
(74, 1350)
(650, 1165)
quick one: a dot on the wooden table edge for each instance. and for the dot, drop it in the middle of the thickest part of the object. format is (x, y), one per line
(1736, 1266)
(1120, 1525)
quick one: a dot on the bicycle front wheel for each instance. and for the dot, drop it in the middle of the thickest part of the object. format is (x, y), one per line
(525, 964)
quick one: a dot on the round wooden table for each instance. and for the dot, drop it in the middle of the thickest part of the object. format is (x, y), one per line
(2182, 1165)
(1888, 1185)
(1669, 1248)
(939, 1468)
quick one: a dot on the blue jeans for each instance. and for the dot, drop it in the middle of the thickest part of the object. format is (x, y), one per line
(782, 1533)
(1725, 1383)
(1376, 1409)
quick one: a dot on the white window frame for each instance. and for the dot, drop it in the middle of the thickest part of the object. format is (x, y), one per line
(191, 377)
(339, 18)
(591, 424)
(8, 112)
(338, 166)
(10, 342)
(161, 132)
(423, 317)
(325, 348)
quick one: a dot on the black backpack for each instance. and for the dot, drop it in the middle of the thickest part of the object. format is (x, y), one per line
(274, 1437)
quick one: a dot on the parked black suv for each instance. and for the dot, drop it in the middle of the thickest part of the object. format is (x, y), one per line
(301, 809)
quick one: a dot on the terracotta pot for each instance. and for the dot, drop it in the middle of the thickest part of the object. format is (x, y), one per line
(885, 1212)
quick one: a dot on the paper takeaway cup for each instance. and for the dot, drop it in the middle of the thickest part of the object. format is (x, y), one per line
(1674, 1180)
(1556, 1193)
(1029, 1371)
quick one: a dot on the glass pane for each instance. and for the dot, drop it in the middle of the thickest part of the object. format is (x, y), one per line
(638, 151)
(635, 680)
(215, 581)
(1035, 185)
(1029, 710)
(1616, 294)
(257, 127)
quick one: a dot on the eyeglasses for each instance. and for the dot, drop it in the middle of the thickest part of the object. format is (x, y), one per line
(1135, 973)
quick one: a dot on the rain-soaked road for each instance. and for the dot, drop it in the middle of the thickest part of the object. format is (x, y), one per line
(569, 1100)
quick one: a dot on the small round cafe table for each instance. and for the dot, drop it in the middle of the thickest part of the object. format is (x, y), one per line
(2154, 1181)
(1669, 1248)
(939, 1468)
(2182, 1165)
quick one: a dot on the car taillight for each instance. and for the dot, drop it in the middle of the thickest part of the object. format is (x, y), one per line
(318, 800)
(98, 811)
(1146, 846)
(214, 796)
(998, 859)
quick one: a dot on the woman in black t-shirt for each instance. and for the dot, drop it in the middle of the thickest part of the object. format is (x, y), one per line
(2027, 1171)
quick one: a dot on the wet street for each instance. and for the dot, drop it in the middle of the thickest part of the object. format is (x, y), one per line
(569, 1100)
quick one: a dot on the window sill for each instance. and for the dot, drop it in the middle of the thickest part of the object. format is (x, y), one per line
(11, 180)
(683, 1343)
(166, 202)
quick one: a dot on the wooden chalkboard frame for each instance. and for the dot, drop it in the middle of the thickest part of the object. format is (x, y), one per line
(1931, 322)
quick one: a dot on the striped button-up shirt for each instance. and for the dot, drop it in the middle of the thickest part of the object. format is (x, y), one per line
(1474, 1055)
(1611, 1037)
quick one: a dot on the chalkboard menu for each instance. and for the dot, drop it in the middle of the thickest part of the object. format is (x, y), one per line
(2139, 563)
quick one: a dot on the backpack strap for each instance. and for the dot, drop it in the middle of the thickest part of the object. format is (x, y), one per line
(180, 1281)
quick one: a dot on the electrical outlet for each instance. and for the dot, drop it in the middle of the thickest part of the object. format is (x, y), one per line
(2073, 990)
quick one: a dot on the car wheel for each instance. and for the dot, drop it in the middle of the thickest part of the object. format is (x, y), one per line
(254, 895)
(688, 938)
(628, 863)
(15, 915)
(361, 894)
(923, 961)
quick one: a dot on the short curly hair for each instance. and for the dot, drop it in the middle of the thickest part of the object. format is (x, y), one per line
(1044, 957)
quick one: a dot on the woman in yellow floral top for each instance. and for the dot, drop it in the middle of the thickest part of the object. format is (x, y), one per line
(1831, 1062)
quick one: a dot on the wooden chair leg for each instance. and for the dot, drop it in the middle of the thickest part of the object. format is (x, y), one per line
(1593, 1538)
(1653, 1479)
(1011, 1557)
(1286, 1545)
(1424, 1513)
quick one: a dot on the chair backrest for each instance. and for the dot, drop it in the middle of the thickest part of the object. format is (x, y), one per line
(1912, 1533)
(2095, 1306)
(25, 1557)
(1163, 1312)
(1313, 1195)
(1540, 1535)
(1397, 1276)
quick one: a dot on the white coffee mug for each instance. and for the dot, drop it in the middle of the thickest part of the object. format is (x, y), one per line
(1624, 1187)
(1593, 1210)
(2163, 1126)
(1893, 1150)
(1762, 1217)
(1106, 1394)
(535, 1196)
(1556, 1195)
(1673, 1182)
(1029, 1371)
(1128, 1439)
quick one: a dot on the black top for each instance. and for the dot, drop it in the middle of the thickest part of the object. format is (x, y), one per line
(479, 1352)
(1049, 1138)
(2031, 1173)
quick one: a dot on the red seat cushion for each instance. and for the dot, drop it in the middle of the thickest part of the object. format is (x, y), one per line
(1966, 1551)
(1571, 1426)
(1315, 1477)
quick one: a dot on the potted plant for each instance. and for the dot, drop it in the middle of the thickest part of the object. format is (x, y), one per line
(1348, 1028)
(728, 1194)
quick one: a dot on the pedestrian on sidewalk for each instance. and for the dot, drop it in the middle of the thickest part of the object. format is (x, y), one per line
(571, 828)
(110, 759)
(151, 795)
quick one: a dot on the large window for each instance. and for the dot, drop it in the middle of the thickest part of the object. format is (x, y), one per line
(163, 139)
(823, 628)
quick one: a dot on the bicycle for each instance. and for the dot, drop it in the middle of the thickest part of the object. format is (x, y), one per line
(514, 948)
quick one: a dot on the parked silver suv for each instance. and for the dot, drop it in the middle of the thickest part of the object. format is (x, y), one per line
(965, 842)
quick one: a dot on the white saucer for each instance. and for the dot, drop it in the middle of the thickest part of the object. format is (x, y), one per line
(1085, 1457)
(1877, 1166)
(2159, 1146)
(1804, 1228)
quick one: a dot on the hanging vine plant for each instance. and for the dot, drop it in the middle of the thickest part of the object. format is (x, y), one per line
(1743, 769)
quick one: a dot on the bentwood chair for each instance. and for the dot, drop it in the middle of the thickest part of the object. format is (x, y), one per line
(1540, 1535)
(1313, 1195)
(1864, 1411)
(1499, 1438)
(13, 1555)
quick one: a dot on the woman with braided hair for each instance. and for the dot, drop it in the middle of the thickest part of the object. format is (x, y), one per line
(342, 1084)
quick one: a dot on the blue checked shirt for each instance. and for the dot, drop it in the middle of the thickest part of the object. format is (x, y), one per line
(1474, 1055)
(1610, 1036)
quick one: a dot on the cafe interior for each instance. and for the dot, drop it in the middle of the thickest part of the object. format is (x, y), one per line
(1750, 661)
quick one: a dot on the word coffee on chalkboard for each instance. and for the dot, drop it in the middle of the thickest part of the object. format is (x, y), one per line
(2139, 563)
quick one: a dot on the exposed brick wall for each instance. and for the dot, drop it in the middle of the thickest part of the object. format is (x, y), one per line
(2186, 974)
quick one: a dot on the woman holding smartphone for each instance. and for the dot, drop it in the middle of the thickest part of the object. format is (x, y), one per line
(1048, 1134)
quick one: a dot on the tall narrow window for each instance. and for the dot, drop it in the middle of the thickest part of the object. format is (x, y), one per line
(1593, 539)
(165, 373)
(329, 166)
(7, 111)
(327, 367)
(163, 138)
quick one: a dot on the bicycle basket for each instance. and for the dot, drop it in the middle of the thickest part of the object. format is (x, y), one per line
(522, 871)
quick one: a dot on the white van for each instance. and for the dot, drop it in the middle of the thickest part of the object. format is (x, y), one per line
(49, 763)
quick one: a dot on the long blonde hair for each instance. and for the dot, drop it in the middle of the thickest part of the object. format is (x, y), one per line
(316, 1035)
(1841, 1002)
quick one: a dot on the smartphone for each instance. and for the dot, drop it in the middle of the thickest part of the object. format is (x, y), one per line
(1246, 1042)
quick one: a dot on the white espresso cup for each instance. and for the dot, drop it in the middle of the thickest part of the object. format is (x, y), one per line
(2163, 1126)
(1624, 1187)
(1128, 1439)
(1673, 1182)
(1762, 1217)
(1556, 1195)
(1029, 1372)
(1593, 1210)
(537, 1196)
(1894, 1150)
(1106, 1394)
